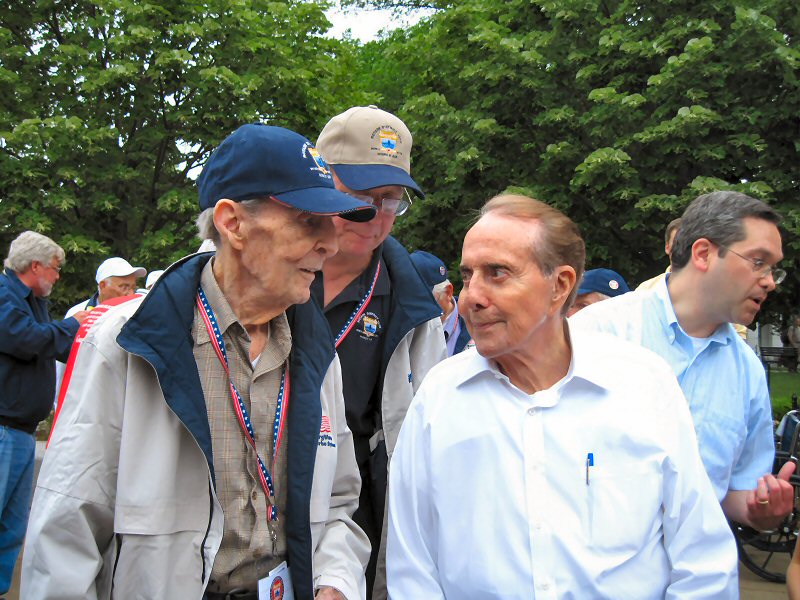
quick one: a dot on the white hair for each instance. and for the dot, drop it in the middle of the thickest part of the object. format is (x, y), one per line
(441, 288)
(30, 246)
(206, 230)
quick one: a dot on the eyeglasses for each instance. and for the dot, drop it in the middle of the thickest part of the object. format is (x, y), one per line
(760, 267)
(389, 206)
(47, 266)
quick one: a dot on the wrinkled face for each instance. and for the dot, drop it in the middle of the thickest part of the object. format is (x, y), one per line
(114, 287)
(584, 300)
(282, 248)
(739, 289)
(46, 276)
(360, 239)
(507, 303)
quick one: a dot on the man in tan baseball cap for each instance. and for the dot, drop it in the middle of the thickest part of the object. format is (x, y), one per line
(384, 319)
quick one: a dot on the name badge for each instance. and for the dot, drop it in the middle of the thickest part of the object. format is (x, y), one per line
(277, 585)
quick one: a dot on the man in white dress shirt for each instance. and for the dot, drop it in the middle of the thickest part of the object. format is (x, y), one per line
(548, 463)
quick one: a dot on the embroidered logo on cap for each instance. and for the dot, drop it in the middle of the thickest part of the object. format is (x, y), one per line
(613, 284)
(319, 163)
(386, 139)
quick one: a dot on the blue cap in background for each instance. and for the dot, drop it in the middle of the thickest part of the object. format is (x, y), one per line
(605, 281)
(432, 270)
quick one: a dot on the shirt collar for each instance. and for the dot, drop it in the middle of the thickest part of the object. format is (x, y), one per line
(450, 322)
(219, 304)
(722, 334)
(582, 363)
(19, 288)
(358, 288)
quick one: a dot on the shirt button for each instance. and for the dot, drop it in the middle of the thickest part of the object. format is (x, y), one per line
(531, 411)
(255, 495)
(544, 586)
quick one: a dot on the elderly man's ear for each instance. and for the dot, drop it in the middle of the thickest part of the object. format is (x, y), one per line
(564, 280)
(227, 220)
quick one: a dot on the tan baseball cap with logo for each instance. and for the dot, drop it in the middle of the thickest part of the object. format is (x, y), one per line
(368, 148)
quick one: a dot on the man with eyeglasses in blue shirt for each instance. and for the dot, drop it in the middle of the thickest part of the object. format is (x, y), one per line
(383, 318)
(724, 261)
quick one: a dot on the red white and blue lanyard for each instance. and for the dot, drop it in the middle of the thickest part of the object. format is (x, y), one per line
(241, 412)
(362, 306)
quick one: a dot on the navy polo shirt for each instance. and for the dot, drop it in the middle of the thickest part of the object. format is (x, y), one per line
(361, 350)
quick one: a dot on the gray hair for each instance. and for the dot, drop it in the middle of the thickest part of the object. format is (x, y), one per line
(717, 217)
(206, 230)
(441, 288)
(30, 246)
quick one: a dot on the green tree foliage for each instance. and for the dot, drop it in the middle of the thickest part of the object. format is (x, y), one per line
(109, 107)
(616, 112)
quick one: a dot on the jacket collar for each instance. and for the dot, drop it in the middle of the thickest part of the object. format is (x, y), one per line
(14, 283)
(412, 301)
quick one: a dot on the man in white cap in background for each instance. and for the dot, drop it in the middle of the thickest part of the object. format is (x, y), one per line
(385, 321)
(115, 277)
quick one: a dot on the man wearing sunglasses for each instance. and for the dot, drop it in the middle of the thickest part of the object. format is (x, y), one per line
(724, 261)
(384, 320)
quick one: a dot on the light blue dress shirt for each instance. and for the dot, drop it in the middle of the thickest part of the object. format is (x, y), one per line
(721, 377)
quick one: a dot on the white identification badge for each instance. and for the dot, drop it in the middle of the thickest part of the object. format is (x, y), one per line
(277, 585)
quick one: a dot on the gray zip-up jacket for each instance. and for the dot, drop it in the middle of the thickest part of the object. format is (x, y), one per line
(125, 505)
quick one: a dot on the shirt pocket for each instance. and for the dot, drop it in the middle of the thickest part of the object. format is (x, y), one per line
(720, 439)
(624, 506)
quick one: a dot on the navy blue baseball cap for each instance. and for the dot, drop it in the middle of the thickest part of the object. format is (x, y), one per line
(431, 269)
(262, 161)
(605, 281)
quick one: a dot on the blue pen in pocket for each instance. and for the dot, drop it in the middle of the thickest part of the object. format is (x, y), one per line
(589, 463)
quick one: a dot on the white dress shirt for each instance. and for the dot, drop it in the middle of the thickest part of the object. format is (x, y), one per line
(490, 497)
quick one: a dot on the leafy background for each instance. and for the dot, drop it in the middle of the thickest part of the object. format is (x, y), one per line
(618, 113)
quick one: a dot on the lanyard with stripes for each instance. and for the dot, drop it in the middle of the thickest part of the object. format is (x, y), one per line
(217, 342)
(362, 306)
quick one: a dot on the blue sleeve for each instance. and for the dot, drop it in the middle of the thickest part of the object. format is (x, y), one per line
(758, 452)
(22, 336)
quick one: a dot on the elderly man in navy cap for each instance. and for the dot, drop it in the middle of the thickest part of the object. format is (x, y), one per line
(213, 400)
(598, 285)
(434, 273)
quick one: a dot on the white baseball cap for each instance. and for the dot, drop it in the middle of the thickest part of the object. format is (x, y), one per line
(117, 267)
(152, 278)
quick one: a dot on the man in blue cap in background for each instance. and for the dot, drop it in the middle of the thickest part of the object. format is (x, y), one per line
(434, 273)
(386, 324)
(598, 285)
(210, 400)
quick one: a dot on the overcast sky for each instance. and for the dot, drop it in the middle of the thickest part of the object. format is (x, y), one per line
(365, 24)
